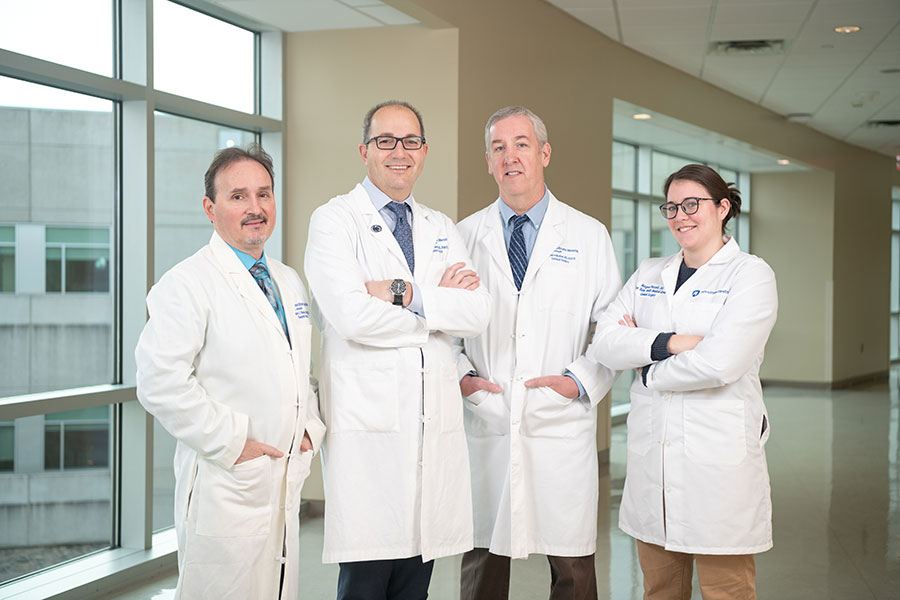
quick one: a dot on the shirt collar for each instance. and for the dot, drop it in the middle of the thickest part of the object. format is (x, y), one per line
(535, 213)
(379, 199)
(247, 260)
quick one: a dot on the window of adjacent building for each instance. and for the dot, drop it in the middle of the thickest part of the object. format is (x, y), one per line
(77, 259)
(203, 58)
(7, 258)
(7, 445)
(79, 35)
(77, 439)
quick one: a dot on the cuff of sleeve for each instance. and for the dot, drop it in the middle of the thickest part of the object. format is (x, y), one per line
(464, 367)
(569, 373)
(659, 349)
(416, 305)
(644, 370)
(316, 430)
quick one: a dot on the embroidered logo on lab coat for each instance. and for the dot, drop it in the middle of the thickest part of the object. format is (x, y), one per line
(649, 291)
(564, 255)
(696, 293)
(301, 310)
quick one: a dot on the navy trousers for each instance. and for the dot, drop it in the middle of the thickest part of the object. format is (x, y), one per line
(396, 579)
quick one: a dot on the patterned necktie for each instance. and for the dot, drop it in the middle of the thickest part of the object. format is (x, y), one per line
(261, 275)
(518, 258)
(403, 233)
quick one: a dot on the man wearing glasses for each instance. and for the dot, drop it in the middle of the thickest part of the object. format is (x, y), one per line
(390, 287)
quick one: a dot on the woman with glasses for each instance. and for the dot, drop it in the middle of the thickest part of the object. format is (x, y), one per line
(694, 326)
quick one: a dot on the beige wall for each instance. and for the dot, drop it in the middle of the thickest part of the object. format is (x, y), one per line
(792, 228)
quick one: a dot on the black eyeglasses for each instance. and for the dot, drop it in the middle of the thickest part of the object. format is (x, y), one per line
(689, 206)
(389, 142)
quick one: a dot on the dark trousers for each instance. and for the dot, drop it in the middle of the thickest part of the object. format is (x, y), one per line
(485, 576)
(396, 579)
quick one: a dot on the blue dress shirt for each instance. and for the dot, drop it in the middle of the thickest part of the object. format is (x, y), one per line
(381, 200)
(248, 261)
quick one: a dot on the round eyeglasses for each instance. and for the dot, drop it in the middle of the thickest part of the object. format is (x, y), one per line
(688, 206)
(389, 142)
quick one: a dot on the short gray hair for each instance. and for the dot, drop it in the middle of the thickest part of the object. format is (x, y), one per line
(540, 130)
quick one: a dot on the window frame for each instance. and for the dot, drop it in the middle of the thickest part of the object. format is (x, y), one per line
(136, 551)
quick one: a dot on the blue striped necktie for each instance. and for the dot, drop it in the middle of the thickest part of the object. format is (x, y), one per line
(403, 233)
(518, 257)
(264, 281)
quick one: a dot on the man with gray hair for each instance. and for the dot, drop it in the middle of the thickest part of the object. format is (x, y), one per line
(531, 394)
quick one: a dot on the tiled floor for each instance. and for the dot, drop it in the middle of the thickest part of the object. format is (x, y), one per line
(834, 458)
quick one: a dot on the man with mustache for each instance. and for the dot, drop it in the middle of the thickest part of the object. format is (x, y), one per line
(223, 364)
(390, 286)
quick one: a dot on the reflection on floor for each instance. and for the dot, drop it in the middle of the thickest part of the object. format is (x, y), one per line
(834, 458)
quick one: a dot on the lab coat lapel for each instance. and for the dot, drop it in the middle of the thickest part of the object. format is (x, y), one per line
(425, 237)
(493, 241)
(375, 227)
(243, 281)
(550, 235)
(669, 277)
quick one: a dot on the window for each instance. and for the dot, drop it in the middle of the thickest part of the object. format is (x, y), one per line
(895, 275)
(77, 259)
(77, 439)
(7, 258)
(76, 256)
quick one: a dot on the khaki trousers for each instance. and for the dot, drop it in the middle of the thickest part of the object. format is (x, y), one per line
(485, 576)
(667, 575)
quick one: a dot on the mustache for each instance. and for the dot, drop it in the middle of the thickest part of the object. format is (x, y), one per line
(254, 217)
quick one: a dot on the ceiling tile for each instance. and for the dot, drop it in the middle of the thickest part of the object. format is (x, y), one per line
(673, 23)
(601, 19)
(758, 22)
(582, 4)
(310, 15)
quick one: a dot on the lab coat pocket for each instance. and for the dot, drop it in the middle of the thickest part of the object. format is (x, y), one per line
(640, 424)
(370, 397)
(486, 414)
(714, 430)
(555, 279)
(698, 319)
(234, 502)
(451, 400)
(552, 415)
(297, 471)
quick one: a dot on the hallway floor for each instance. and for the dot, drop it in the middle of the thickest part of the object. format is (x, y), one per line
(834, 460)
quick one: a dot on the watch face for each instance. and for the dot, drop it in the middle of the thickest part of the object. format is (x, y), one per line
(398, 287)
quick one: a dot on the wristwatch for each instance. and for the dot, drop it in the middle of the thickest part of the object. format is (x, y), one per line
(398, 288)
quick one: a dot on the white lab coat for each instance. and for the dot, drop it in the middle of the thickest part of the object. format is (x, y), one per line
(214, 367)
(396, 467)
(533, 452)
(695, 433)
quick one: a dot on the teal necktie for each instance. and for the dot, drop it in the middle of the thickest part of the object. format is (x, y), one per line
(261, 275)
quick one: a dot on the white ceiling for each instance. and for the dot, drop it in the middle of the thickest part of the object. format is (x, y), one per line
(838, 79)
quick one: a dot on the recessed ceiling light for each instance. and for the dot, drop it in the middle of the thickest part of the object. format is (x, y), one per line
(641, 116)
(783, 161)
(847, 29)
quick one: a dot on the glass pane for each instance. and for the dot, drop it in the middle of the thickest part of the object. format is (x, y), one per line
(184, 149)
(729, 175)
(87, 269)
(623, 235)
(82, 414)
(661, 166)
(895, 337)
(62, 491)
(623, 169)
(895, 272)
(86, 445)
(662, 243)
(7, 446)
(621, 389)
(203, 58)
(7, 234)
(84, 235)
(76, 34)
(7, 269)
(57, 164)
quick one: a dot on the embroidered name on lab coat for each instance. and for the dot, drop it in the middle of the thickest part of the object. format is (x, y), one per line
(564, 255)
(696, 293)
(649, 291)
(301, 310)
(440, 246)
